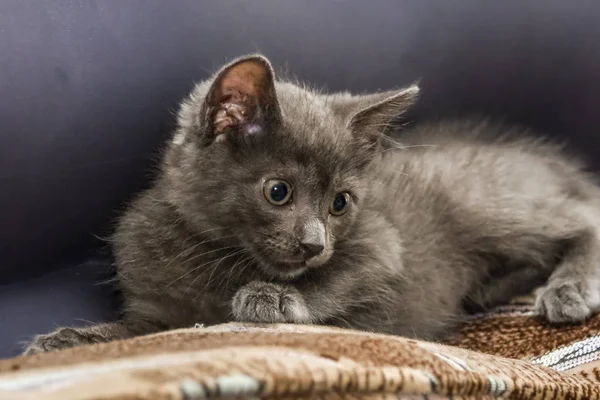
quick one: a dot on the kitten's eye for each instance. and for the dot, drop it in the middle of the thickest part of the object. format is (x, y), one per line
(277, 192)
(340, 204)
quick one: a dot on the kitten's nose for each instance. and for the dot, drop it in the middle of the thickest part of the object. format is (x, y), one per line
(313, 238)
(312, 249)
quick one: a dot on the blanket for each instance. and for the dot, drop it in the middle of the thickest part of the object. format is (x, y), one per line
(509, 353)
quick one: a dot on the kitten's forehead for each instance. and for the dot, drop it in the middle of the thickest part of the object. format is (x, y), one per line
(308, 113)
(312, 156)
(308, 116)
(313, 136)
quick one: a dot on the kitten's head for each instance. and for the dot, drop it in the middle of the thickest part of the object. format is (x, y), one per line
(278, 168)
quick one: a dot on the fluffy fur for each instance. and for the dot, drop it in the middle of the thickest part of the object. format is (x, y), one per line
(461, 216)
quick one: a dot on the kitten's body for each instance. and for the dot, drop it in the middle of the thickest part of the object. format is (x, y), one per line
(449, 219)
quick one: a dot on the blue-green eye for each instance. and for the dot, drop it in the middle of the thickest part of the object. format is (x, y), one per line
(340, 204)
(277, 192)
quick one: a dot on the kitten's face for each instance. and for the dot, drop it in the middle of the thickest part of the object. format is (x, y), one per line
(292, 201)
(279, 168)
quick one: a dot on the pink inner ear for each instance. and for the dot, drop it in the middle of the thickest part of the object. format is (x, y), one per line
(239, 90)
(244, 81)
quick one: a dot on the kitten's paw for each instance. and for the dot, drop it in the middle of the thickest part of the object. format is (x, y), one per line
(269, 303)
(61, 338)
(566, 301)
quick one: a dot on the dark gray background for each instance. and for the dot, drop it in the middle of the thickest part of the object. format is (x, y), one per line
(87, 91)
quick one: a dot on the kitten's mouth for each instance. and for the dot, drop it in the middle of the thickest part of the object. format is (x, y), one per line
(291, 265)
(286, 269)
(302, 265)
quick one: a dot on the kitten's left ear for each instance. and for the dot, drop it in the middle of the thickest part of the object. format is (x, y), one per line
(368, 124)
(242, 99)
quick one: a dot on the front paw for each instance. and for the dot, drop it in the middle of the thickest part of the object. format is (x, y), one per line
(566, 301)
(61, 338)
(269, 303)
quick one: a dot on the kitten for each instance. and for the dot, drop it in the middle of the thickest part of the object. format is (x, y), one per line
(276, 203)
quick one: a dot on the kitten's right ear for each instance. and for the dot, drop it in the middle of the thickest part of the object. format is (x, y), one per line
(368, 124)
(241, 100)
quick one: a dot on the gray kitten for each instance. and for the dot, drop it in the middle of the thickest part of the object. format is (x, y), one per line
(276, 203)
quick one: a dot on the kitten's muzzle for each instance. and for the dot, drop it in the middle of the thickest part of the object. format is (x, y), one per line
(312, 242)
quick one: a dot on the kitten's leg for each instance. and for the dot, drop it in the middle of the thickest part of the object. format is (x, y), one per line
(573, 290)
(518, 282)
(270, 303)
(313, 303)
(66, 337)
(571, 229)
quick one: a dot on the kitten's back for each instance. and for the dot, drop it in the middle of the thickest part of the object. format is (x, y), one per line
(456, 190)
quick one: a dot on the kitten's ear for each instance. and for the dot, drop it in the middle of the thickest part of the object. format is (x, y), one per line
(368, 124)
(241, 100)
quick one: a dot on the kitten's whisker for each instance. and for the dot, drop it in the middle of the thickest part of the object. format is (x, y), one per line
(397, 142)
(245, 266)
(196, 256)
(224, 281)
(238, 262)
(384, 126)
(189, 272)
(208, 230)
(194, 247)
(405, 148)
(215, 267)
(201, 265)
(410, 146)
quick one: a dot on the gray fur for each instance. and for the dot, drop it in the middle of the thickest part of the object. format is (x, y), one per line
(460, 214)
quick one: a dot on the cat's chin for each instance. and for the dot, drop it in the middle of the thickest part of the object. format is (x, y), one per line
(285, 271)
